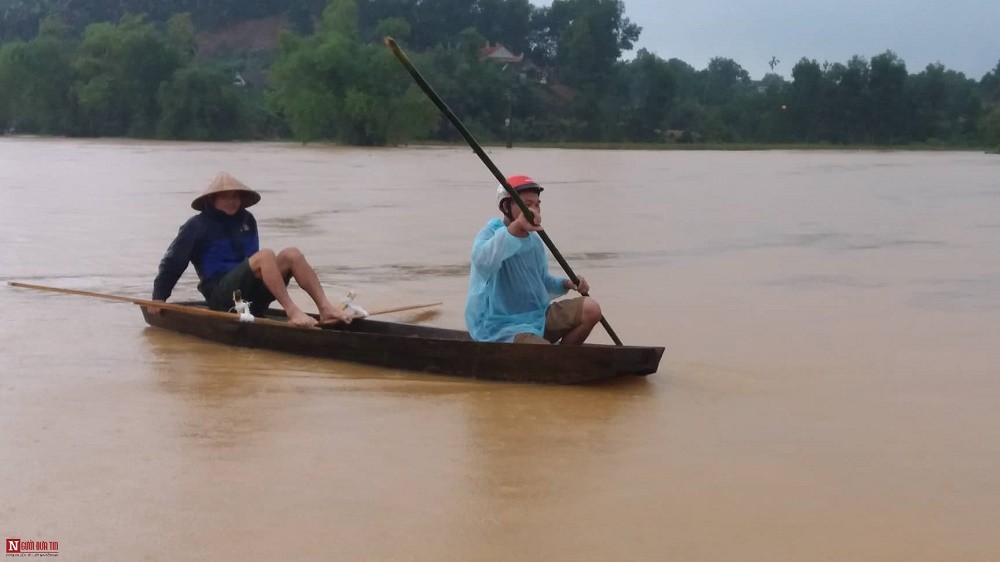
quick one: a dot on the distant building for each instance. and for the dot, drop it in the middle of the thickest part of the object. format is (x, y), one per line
(555, 94)
(502, 55)
(499, 53)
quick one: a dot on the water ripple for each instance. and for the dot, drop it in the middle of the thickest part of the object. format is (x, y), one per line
(807, 282)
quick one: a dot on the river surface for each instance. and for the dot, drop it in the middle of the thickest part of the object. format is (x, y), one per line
(830, 388)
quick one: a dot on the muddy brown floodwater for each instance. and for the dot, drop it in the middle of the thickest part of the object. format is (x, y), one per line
(830, 389)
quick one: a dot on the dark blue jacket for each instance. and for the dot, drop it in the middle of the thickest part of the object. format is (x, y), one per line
(214, 242)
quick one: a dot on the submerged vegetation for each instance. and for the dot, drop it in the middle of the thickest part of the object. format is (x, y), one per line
(309, 70)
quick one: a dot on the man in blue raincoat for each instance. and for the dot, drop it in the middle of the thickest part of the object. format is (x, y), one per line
(510, 288)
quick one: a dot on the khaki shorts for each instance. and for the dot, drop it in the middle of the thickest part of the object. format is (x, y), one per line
(561, 317)
(253, 289)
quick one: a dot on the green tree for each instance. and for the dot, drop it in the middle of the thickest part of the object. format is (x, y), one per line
(300, 14)
(397, 28)
(687, 115)
(471, 42)
(687, 82)
(36, 79)
(946, 104)
(120, 69)
(891, 109)
(990, 84)
(806, 100)
(14, 75)
(437, 21)
(19, 19)
(767, 112)
(371, 14)
(332, 86)
(476, 90)
(989, 122)
(586, 39)
(200, 104)
(849, 105)
(724, 81)
(181, 35)
(650, 93)
(583, 40)
(989, 127)
(505, 21)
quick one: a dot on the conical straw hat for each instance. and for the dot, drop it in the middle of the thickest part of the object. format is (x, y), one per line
(225, 182)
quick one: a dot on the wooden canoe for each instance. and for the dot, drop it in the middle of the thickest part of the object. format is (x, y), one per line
(420, 348)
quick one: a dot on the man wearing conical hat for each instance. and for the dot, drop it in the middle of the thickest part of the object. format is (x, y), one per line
(221, 241)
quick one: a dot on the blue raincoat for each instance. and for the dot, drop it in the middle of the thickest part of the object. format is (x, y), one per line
(510, 287)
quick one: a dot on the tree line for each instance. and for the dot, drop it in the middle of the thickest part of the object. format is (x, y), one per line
(132, 68)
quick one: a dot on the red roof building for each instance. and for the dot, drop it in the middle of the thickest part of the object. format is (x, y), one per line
(499, 53)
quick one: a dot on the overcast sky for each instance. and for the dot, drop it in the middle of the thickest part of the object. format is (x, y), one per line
(964, 35)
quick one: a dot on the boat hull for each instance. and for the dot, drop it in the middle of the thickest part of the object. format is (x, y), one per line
(421, 348)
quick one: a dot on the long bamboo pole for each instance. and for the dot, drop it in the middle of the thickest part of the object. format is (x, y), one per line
(197, 310)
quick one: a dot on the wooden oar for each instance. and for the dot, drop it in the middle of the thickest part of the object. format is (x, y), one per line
(385, 311)
(489, 164)
(196, 310)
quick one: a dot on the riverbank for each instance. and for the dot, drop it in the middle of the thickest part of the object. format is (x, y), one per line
(733, 146)
(492, 144)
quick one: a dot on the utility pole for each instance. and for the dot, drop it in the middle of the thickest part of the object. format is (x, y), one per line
(508, 125)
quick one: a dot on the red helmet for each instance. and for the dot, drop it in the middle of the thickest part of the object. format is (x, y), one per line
(519, 183)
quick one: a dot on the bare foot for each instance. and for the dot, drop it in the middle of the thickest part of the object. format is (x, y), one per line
(334, 314)
(302, 319)
(154, 309)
